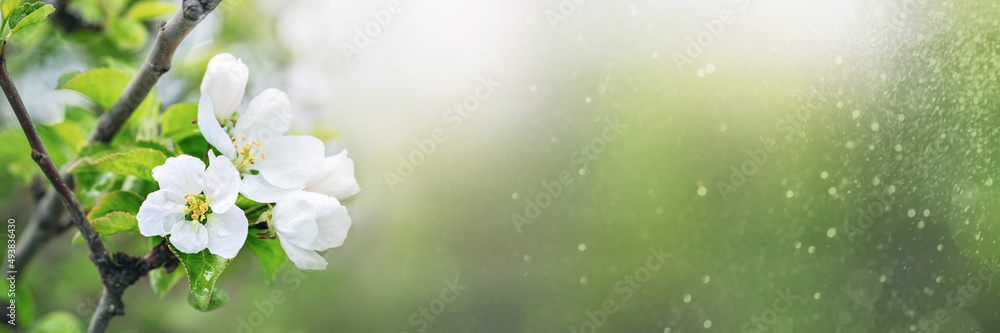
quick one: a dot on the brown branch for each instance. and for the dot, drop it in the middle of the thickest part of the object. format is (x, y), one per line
(157, 63)
(120, 271)
(41, 157)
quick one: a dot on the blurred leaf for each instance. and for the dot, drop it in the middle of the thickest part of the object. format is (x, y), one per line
(102, 85)
(38, 12)
(99, 150)
(127, 34)
(7, 7)
(138, 162)
(219, 298)
(203, 270)
(159, 280)
(117, 201)
(270, 253)
(59, 322)
(149, 10)
(178, 121)
(115, 222)
(194, 145)
(66, 77)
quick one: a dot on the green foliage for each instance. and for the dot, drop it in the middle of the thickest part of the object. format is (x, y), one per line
(117, 201)
(7, 8)
(203, 270)
(59, 322)
(28, 14)
(127, 34)
(138, 162)
(102, 85)
(149, 10)
(219, 298)
(178, 121)
(270, 253)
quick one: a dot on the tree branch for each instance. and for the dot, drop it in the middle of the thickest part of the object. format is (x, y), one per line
(41, 156)
(120, 271)
(170, 35)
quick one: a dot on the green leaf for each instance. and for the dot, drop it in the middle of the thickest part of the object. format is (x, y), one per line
(66, 77)
(7, 6)
(22, 11)
(219, 298)
(37, 14)
(138, 162)
(114, 223)
(149, 10)
(270, 253)
(178, 121)
(127, 34)
(58, 322)
(159, 280)
(102, 85)
(117, 201)
(203, 270)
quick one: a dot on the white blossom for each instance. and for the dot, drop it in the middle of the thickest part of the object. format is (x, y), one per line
(195, 206)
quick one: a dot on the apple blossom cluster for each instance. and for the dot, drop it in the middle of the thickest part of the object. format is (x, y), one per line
(195, 206)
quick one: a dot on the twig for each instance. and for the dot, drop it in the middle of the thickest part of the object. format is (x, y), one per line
(120, 271)
(41, 156)
(157, 62)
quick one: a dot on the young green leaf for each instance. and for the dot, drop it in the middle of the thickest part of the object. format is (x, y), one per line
(7, 6)
(102, 85)
(65, 78)
(270, 253)
(178, 121)
(36, 13)
(149, 10)
(219, 298)
(203, 270)
(117, 201)
(138, 162)
(115, 222)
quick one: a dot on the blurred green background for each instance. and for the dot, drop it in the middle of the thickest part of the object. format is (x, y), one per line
(749, 162)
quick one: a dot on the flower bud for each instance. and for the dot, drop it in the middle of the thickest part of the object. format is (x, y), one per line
(225, 81)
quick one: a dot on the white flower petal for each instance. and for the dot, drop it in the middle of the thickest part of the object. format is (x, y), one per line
(179, 176)
(227, 232)
(332, 229)
(337, 178)
(189, 237)
(158, 214)
(291, 160)
(222, 184)
(268, 117)
(212, 130)
(294, 219)
(225, 82)
(258, 189)
(303, 258)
